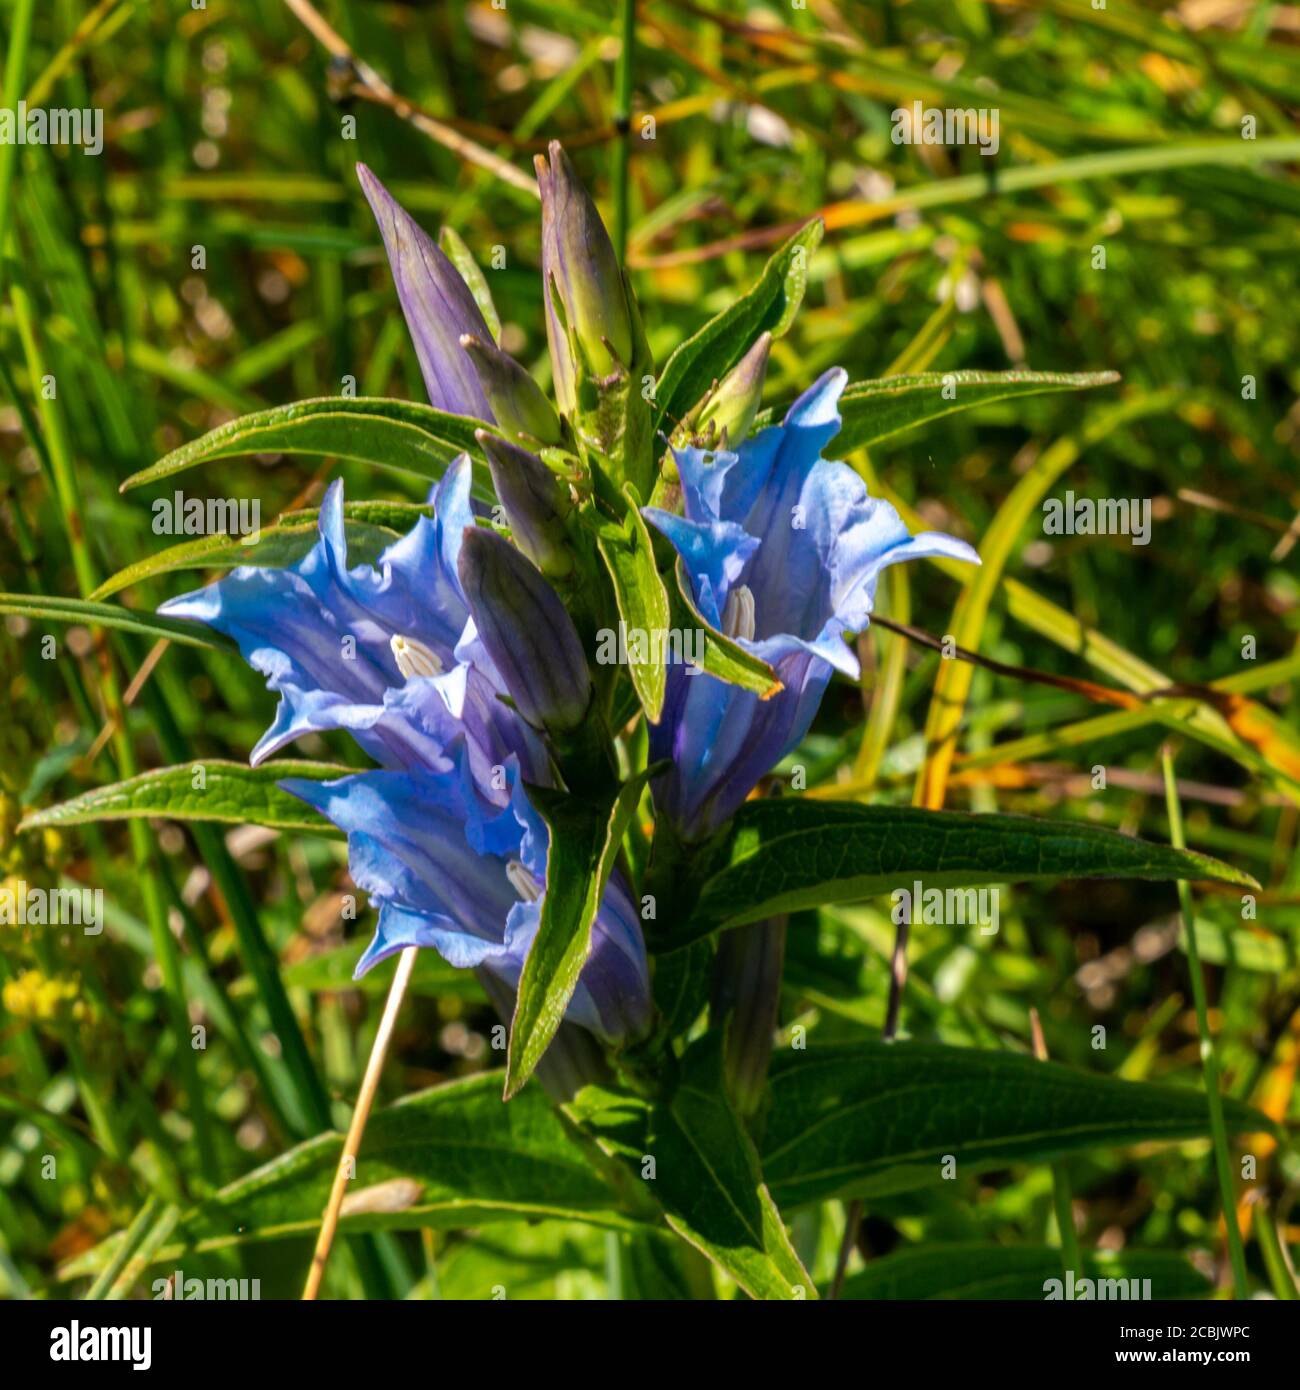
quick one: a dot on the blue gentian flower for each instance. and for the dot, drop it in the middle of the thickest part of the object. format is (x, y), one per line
(471, 886)
(783, 549)
(442, 837)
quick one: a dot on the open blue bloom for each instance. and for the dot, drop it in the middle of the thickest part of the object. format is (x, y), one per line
(376, 650)
(443, 837)
(471, 887)
(783, 549)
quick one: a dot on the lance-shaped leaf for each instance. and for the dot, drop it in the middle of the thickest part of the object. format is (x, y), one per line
(585, 839)
(769, 306)
(49, 608)
(643, 606)
(226, 792)
(452, 1157)
(786, 854)
(277, 546)
(874, 410)
(401, 436)
(864, 1119)
(706, 1173)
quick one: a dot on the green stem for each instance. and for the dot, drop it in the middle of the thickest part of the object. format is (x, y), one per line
(623, 122)
(1209, 1060)
(20, 33)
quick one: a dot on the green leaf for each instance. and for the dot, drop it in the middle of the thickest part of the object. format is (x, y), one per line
(870, 1118)
(454, 248)
(283, 544)
(706, 1173)
(723, 658)
(584, 842)
(232, 793)
(452, 1157)
(403, 436)
(642, 601)
(80, 610)
(786, 854)
(874, 410)
(967, 1271)
(768, 306)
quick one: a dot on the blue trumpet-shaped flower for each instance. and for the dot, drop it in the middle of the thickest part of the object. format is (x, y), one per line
(471, 887)
(443, 837)
(376, 650)
(783, 549)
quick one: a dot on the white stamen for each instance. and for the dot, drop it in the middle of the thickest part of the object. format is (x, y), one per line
(413, 657)
(522, 881)
(738, 615)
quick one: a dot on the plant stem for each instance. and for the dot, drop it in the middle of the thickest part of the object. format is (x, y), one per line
(623, 122)
(365, 1099)
(1209, 1061)
(1062, 1197)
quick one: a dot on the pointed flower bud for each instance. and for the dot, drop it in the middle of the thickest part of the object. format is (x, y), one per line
(523, 625)
(516, 399)
(578, 260)
(536, 504)
(436, 303)
(732, 407)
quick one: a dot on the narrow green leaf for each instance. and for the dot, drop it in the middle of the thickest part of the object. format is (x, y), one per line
(79, 610)
(874, 410)
(768, 306)
(584, 842)
(230, 793)
(277, 546)
(706, 1173)
(786, 854)
(968, 1271)
(452, 1157)
(454, 248)
(400, 435)
(642, 602)
(864, 1119)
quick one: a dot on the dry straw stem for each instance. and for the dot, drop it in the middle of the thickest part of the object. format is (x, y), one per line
(360, 1115)
(370, 85)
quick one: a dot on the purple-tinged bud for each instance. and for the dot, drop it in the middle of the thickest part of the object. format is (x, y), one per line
(730, 410)
(516, 399)
(526, 631)
(535, 501)
(578, 260)
(436, 303)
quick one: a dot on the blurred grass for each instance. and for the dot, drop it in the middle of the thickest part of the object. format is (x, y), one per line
(1120, 128)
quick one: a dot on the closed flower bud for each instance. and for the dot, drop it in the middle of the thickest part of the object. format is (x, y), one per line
(524, 627)
(436, 303)
(578, 260)
(516, 399)
(730, 410)
(536, 504)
